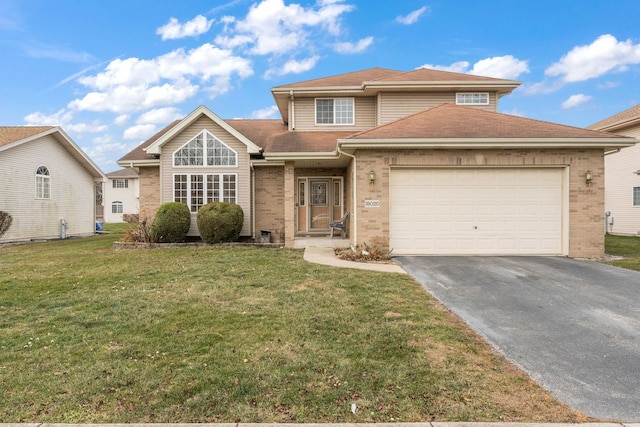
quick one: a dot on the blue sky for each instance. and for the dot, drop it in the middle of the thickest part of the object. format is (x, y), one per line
(112, 73)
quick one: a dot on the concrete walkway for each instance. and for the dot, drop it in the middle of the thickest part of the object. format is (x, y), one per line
(327, 256)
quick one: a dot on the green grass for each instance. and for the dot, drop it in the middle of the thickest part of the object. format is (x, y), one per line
(91, 334)
(624, 246)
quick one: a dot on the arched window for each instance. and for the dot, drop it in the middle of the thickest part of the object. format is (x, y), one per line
(116, 207)
(205, 150)
(43, 183)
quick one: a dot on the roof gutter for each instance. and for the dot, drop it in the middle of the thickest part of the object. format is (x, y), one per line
(354, 215)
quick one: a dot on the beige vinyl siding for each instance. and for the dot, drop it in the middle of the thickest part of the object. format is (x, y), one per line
(620, 180)
(72, 192)
(394, 106)
(305, 120)
(242, 170)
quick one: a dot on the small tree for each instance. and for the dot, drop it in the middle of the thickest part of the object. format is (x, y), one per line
(220, 222)
(171, 224)
(5, 222)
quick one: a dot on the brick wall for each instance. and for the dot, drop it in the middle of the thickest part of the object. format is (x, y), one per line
(586, 203)
(149, 192)
(270, 201)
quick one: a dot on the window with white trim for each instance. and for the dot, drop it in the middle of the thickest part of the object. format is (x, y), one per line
(117, 207)
(472, 98)
(196, 190)
(43, 183)
(636, 196)
(205, 150)
(334, 111)
(120, 183)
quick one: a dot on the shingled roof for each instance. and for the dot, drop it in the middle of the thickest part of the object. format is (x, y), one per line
(9, 134)
(622, 119)
(455, 121)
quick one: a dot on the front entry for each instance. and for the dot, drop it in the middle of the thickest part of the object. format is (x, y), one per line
(319, 202)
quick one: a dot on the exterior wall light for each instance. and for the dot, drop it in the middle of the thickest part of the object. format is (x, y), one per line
(588, 177)
(372, 177)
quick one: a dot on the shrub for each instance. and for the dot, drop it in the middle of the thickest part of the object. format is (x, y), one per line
(137, 232)
(171, 224)
(220, 222)
(5, 222)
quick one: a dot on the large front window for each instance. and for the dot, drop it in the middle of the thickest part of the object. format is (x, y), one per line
(205, 150)
(336, 111)
(196, 190)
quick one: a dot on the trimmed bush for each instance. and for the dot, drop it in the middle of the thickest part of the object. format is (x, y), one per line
(5, 222)
(171, 224)
(220, 222)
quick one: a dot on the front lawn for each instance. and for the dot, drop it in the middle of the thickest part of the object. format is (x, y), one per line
(627, 247)
(89, 334)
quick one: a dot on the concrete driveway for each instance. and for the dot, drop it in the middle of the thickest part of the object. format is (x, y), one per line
(573, 326)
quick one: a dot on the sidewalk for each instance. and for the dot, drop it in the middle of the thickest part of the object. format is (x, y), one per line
(327, 256)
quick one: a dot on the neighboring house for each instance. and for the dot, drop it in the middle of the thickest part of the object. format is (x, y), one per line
(622, 174)
(421, 160)
(121, 194)
(47, 184)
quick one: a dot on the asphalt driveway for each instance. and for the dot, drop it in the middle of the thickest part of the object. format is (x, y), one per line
(573, 326)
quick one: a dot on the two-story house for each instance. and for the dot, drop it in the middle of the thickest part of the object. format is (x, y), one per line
(622, 174)
(120, 196)
(421, 160)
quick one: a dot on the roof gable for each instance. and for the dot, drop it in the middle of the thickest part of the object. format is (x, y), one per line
(154, 147)
(12, 136)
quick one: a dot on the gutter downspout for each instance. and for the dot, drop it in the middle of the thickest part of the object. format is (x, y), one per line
(292, 112)
(253, 202)
(355, 196)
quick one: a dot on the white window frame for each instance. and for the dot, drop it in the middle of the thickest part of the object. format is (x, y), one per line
(635, 197)
(335, 113)
(201, 154)
(472, 98)
(117, 207)
(42, 183)
(120, 183)
(195, 190)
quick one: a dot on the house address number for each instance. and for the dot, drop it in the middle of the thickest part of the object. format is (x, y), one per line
(372, 203)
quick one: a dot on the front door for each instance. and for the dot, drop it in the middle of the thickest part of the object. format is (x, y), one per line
(319, 204)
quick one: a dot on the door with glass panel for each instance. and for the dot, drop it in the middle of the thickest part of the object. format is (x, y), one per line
(319, 204)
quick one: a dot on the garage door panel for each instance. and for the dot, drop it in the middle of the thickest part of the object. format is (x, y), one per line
(476, 211)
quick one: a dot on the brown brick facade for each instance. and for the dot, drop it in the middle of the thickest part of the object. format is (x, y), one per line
(586, 202)
(270, 202)
(149, 192)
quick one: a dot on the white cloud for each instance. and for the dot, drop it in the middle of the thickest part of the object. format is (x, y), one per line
(133, 84)
(175, 30)
(412, 17)
(501, 67)
(294, 67)
(140, 132)
(349, 48)
(456, 67)
(271, 27)
(586, 62)
(121, 120)
(266, 113)
(59, 118)
(575, 100)
(160, 116)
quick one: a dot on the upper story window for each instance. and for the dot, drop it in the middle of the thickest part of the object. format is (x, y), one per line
(334, 111)
(205, 150)
(43, 183)
(120, 183)
(472, 98)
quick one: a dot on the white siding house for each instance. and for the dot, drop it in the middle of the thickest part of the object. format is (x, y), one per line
(121, 195)
(47, 184)
(622, 174)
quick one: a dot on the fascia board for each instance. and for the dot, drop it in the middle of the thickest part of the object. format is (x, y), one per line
(487, 143)
(138, 163)
(302, 156)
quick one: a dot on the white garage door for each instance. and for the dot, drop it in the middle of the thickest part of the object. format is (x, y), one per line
(476, 211)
